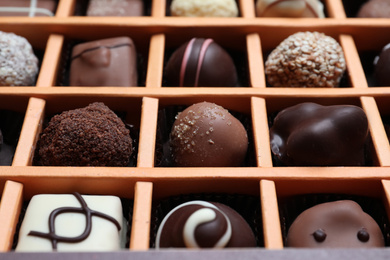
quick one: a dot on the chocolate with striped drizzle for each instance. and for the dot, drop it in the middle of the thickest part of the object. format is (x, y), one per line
(51, 235)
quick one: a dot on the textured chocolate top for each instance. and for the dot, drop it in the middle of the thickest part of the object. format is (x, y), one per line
(27, 7)
(201, 224)
(107, 62)
(201, 63)
(115, 8)
(335, 224)
(207, 135)
(309, 134)
(382, 67)
(90, 136)
(375, 9)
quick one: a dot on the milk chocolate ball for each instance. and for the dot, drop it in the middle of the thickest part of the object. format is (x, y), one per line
(201, 224)
(200, 63)
(335, 224)
(207, 135)
(375, 9)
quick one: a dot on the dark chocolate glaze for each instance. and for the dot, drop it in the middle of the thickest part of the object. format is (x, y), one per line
(335, 224)
(205, 60)
(382, 67)
(206, 234)
(309, 134)
(88, 217)
(207, 135)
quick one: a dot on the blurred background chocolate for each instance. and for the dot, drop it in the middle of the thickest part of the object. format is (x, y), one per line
(200, 63)
(309, 134)
(30, 8)
(375, 9)
(115, 8)
(106, 62)
(204, 8)
(290, 8)
(382, 67)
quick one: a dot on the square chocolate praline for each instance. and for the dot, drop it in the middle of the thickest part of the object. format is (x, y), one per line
(107, 62)
(28, 8)
(115, 8)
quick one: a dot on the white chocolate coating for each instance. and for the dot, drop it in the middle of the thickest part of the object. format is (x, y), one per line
(104, 235)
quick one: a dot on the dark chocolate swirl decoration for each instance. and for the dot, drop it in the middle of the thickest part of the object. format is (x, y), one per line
(88, 227)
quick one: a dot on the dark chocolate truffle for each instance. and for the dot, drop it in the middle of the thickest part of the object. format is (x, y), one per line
(90, 136)
(19, 65)
(375, 9)
(306, 60)
(29, 8)
(335, 224)
(207, 135)
(382, 67)
(309, 134)
(201, 63)
(115, 8)
(290, 8)
(107, 62)
(201, 224)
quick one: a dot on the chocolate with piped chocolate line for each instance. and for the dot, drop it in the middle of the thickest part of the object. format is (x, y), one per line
(309, 134)
(201, 63)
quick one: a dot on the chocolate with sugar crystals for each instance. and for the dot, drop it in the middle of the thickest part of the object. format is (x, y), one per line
(309, 134)
(201, 224)
(335, 224)
(106, 62)
(115, 8)
(201, 63)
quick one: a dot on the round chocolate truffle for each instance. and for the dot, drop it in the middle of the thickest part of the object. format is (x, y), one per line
(90, 136)
(201, 63)
(309, 134)
(290, 8)
(382, 67)
(18, 64)
(335, 224)
(375, 9)
(306, 60)
(201, 224)
(204, 8)
(207, 135)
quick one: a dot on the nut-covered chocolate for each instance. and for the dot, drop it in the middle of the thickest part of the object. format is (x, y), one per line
(207, 135)
(306, 60)
(90, 136)
(201, 224)
(335, 224)
(200, 63)
(309, 134)
(382, 67)
(375, 9)
(290, 8)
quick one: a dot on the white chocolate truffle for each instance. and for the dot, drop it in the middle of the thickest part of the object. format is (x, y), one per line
(290, 8)
(204, 8)
(18, 64)
(106, 223)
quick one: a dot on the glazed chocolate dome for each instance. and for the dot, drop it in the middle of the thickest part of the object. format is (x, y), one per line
(207, 135)
(335, 224)
(382, 67)
(90, 136)
(201, 224)
(200, 63)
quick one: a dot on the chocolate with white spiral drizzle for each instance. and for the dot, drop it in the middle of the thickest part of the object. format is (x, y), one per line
(201, 224)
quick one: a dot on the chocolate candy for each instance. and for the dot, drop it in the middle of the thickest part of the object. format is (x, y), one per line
(201, 63)
(207, 135)
(290, 8)
(29, 8)
(115, 8)
(306, 60)
(309, 134)
(382, 67)
(201, 224)
(108, 62)
(375, 9)
(204, 8)
(19, 65)
(335, 224)
(90, 136)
